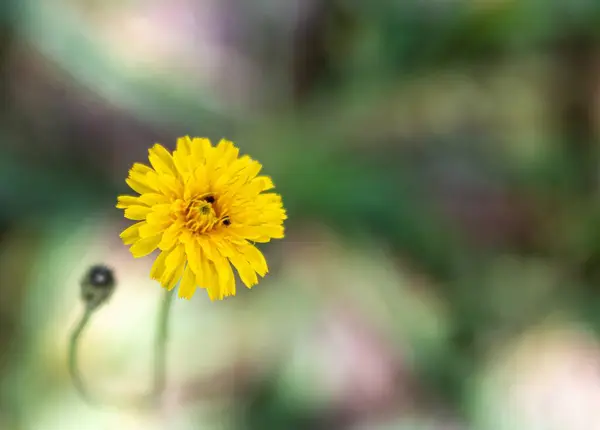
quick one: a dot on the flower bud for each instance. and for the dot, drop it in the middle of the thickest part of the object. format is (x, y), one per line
(97, 286)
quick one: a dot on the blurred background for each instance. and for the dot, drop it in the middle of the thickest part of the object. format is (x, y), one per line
(439, 162)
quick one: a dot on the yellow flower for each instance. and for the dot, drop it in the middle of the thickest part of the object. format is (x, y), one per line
(204, 207)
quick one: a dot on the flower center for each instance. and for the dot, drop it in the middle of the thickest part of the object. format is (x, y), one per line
(201, 215)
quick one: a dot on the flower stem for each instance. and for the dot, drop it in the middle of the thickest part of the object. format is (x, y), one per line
(160, 347)
(162, 334)
(73, 349)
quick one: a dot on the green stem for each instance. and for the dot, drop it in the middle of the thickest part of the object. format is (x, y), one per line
(160, 347)
(162, 334)
(73, 362)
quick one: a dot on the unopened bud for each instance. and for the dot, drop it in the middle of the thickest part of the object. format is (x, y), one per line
(97, 286)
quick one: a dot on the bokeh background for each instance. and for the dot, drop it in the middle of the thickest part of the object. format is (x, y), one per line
(439, 163)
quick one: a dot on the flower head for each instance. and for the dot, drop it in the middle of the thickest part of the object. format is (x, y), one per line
(203, 207)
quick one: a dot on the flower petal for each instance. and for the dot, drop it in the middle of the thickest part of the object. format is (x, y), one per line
(225, 277)
(158, 268)
(170, 236)
(184, 145)
(126, 201)
(197, 183)
(252, 170)
(244, 269)
(201, 150)
(227, 152)
(166, 184)
(266, 183)
(194, 253)
(213, 288)
(202, 272)
(255, 258)
(170, 282)
(182, 155)
(137, 212)
(150, 229)
(152, 199)
(140, 168)
(138, 186)
(161, 160)
(254, 232)
(131, 233)
(159, 217)
(144, 246)
(175, 259)
(187, 287)
(208, 247)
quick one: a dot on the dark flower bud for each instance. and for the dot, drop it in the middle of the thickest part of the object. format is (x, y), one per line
(97, 286)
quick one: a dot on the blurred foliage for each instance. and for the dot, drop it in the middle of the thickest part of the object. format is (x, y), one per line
(374, 181)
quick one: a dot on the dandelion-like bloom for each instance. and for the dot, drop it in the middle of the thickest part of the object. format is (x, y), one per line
(204, 207)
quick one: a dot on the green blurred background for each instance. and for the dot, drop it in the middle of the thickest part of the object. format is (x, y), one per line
(439, 163)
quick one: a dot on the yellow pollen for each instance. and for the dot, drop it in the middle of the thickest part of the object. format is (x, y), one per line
(200, 216)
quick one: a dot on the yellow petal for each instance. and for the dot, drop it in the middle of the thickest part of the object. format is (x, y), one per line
(149, 230)
(275, 231)
(174, 278)
(161, 160)
(273, 216)
(166, 184)
(126, 201)
(140, 168)
(244, 269)
(207, 246)
(213, 293)
(165, 209)
(184, 145)
(193, 251)
(138, 186)
(213, 288)
(137, 212)
(142, 178)
(152, 199)
(201, 149)
(255, 258)
(159, 218)
(144, 246)
(175, 259)
(170, 236)
(187, 287)
(254, 232)
(182, 155)
(225, 277)
(266, 183)
(202, 272)
(158, 268)
(131, 233)
(250, 189)
(197, 183)
(252, 170)
(227, 151)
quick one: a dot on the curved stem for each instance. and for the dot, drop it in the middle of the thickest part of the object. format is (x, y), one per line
(159, 372)
(160, 347)
(73, 348)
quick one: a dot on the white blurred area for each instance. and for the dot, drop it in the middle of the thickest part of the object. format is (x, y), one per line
(180, 47)
(549, 378)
